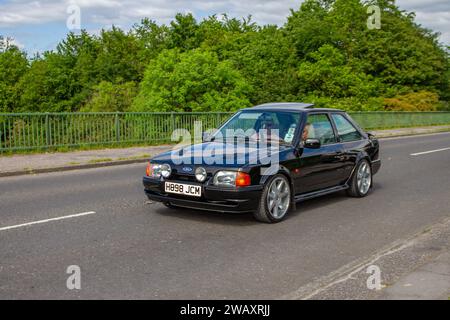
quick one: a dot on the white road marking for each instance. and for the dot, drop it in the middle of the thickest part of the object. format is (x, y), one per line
(47, 220)
(431, 151)
(349, 271)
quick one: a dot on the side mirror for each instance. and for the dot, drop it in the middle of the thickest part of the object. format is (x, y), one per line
(312, 144)
(207, 136)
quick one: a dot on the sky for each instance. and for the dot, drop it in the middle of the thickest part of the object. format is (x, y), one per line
(37, 26)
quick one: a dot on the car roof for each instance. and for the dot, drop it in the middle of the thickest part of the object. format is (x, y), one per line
(289, 106)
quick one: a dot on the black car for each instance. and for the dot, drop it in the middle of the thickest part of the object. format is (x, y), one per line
(264, 160)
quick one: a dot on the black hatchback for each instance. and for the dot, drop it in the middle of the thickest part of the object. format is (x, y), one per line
(264, 160)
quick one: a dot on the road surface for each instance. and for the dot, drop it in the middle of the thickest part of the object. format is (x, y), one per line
(129, 248)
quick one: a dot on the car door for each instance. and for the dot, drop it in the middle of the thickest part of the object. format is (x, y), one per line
(319, 167)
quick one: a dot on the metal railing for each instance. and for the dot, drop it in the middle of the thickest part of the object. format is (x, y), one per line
(28, 131)
(391, 119)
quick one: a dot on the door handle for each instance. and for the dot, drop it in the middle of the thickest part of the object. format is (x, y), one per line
(340, 156)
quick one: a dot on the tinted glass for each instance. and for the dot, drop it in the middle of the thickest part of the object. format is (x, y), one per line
(319, 127)
(347, 132)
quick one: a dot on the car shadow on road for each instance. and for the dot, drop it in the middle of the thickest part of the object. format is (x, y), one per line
(237, 219)
(246, 219)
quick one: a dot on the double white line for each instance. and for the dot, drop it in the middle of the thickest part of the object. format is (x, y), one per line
(47, 220)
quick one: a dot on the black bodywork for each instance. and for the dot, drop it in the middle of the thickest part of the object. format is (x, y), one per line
(311, 172)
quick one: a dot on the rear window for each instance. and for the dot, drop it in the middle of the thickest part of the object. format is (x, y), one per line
(346, 131)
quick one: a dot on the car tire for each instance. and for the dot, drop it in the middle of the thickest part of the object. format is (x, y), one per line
(274, 204)
(361, 180)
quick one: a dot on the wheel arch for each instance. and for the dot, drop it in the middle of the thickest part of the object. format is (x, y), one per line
(363, 155)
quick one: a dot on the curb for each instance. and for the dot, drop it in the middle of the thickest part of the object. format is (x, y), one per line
(70, 168)
(410, 134)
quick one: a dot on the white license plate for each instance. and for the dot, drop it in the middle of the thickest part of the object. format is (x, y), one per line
(186, 189)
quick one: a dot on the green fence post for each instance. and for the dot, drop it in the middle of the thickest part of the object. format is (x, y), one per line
(217, 120)
(117, 125)
(172, 116)
(47, 131)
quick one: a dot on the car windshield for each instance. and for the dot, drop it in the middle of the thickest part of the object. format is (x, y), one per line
(261, 125)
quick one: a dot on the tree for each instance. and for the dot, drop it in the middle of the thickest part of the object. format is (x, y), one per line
(152, 39)
(119, 57)
(110, 97)
(183, 32)
(401, 57)
(327, 74)
(325, 53)
(267, 60)
(191, 81)
(13, 65)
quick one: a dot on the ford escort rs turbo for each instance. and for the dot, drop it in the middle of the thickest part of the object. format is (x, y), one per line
(265, 160)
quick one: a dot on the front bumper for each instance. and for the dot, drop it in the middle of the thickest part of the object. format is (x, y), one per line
(232, 200)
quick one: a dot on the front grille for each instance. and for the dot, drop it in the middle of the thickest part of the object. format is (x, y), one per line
(183, 177)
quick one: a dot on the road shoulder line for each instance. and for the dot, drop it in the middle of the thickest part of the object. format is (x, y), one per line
(348, 271)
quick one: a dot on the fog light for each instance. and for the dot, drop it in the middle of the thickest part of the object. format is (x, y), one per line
(200, 174)
(166, 170)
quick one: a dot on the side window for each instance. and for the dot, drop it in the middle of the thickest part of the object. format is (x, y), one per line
(346, 131)
(318, 126)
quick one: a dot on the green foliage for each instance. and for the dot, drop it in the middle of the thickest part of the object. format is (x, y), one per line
(267, 60)
(119, 57)
(110, 97)
(416, 101)
(191, 81)
(327, 74)
(152, 39)
(13, 65)
(341, 58)
(325, 53)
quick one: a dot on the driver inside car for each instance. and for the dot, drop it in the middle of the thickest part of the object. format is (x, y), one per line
(267, 130)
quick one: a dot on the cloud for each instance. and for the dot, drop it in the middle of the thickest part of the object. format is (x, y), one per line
(432, 14)
(18, 12)
(97, 14)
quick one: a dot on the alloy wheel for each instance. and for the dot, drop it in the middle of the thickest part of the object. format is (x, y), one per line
(278, 198)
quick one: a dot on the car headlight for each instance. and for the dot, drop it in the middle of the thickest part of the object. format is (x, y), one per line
(225, 178)
(232, 178)
(156, 170)
(200, 174)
